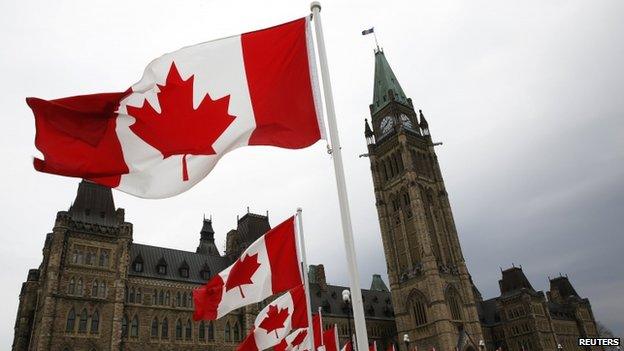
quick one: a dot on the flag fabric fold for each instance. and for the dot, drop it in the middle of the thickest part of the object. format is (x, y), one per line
(330, 339)
(298, 340)
(273, 324)
(268, 266)
(167, 132)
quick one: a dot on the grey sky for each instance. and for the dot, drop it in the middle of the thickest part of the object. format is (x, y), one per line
(526, 96)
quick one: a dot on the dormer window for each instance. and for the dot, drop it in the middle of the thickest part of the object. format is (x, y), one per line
(162, 269)
(205, 272)
(184, 272)
(138, 266)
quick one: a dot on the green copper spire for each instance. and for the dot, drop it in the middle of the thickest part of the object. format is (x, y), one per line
(385, 80)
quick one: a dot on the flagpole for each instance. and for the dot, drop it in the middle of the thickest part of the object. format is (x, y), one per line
(304, 271)
(347, 230)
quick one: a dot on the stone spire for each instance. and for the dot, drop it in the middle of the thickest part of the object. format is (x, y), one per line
(206, 242)
(386, 87)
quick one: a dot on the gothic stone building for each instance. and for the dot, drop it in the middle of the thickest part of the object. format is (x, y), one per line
(98, 290)
(435, 301)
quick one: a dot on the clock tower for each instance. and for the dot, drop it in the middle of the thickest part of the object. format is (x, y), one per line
(433, 295)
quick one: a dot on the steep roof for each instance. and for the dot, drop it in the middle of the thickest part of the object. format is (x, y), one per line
(94, 204)
(377, 304)
(514, 280)
(175, 259)
(385, 80)
(563, 286)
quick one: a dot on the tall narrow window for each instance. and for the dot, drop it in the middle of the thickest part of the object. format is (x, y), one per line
(184, 300)
(82, 323)
(71, 289)
(178, 299)
(202, 331)
(164, 330)
(155, 298)
(138, 296)
(228, 332)
(452, 300)
(134, 326)
(79, 287)
(236, 332)
(161, 298)
(103, 289)
(103, 258)
(155, 328)
(71, 320)
(95, 322)
(189, 330)
(94, 288)
(167, 298)
(132, 294)
(178, 330)
(124, 326)
(211, 331)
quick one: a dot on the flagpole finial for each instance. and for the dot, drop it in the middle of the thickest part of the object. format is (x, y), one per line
(315, 4)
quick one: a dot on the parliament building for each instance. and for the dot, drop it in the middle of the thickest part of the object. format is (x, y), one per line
(97, 290)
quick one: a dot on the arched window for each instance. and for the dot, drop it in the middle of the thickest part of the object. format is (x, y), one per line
(184, 300)
(164, 330)
(103, 289)
(71, 289)
(178, 299)
(210, 331)
(134, 326)
(236, 332)
(94, 288)
(132, 294)
(79, 287)
(138, 296)
(202, 331)
(189, 330)
(161, 298)
(228, 332)
(454, 303)
(167, 298)
(155, 297)
(419, 308)
(95, 322)
(124, 326)
(155, 327)
(178, 330)
(71, 320)
(82, 323)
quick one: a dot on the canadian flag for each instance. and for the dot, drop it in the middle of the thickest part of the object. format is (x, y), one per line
(299, 340)
(317, 329)
(167, 132)
(330, 339)
(347, 347)
(391, 347)
(373, 346)
(276, 320)
(269, 266)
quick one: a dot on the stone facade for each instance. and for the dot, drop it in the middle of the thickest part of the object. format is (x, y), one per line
(98, 290)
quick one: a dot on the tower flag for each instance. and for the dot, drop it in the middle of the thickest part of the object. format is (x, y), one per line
(345, 213)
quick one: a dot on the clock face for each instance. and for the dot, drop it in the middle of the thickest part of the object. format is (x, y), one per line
(386, 124)
(406, 121)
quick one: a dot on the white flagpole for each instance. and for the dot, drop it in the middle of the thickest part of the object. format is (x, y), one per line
(306, 283)
(345, 214)
(321, 325)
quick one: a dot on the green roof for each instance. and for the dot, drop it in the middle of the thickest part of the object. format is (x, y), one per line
(384, 81)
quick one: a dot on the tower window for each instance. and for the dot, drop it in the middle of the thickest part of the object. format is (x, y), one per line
(155, 327)
(95, 322)
(82, 323)
(420, 312)
(71, 320)
(164, 332)
(134, 327)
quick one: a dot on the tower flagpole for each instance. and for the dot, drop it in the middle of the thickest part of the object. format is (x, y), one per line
(345, 214)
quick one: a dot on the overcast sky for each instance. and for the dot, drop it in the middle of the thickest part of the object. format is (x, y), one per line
(526, 96)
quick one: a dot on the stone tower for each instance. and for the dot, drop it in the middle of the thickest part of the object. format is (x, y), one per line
(432, 292)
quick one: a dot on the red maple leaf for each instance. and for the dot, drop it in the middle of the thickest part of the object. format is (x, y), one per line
(241, 273)
(275, 319)
(299, 338)
(179, 129)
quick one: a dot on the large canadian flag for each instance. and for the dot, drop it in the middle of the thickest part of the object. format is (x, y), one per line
(273, 324)
(268, 266)
(166, 132)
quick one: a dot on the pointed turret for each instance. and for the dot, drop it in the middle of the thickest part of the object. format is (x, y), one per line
(424, 126)
(206, 242)
(387, 87)
(94, 204)
(368, 133)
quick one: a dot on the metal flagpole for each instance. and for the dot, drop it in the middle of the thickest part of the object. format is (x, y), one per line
(304, 270)
(347, 230)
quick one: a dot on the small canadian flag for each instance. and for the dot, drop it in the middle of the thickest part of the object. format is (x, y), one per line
(330, 339)
(348, 346)
(299, 340)
(166, 132)
(286, 313)
(269, 266)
